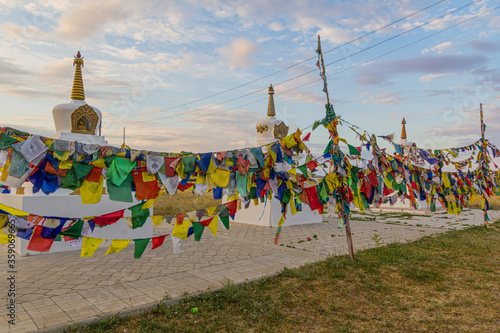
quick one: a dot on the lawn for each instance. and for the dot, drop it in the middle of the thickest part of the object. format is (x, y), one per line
(445, 283)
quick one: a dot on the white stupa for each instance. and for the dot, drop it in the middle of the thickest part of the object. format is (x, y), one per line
(270, 130)
(74, 121)
(78, 121)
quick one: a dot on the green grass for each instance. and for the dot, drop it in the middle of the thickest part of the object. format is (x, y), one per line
(445, 283)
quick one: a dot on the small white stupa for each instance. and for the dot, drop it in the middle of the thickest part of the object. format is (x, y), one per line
(270, 130)
(74, 121)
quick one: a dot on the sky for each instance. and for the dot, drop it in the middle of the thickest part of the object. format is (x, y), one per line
(193, 75)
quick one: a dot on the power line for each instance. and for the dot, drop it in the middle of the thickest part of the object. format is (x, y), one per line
(311, 71)
(341, 71)
(288, 67)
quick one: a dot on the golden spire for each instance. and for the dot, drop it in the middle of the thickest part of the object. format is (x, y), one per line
(270, 107)
(78, 92)
(403, 131)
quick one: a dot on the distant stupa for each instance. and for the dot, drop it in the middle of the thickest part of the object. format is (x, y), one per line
(270, 129)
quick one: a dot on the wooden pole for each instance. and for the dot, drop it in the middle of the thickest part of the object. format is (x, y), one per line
(323, 69)
(483, 159)
(348, 234)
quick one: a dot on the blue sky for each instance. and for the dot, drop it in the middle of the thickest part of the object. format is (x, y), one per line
(148, 62)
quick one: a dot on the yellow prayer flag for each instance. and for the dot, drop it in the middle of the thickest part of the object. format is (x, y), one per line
(62, 157)
(293, 209)
(220, 177)
(282, 220)
(90, 245)
(66, 165)
(48, 142)
(100, 163)
(117, 245)
(147, 177)
(157, 220)
(234, 197)
(211, 166)
(290, 141)
(181, 230)
(4, 235)
(149, 203)
(211, 210)
(213, 226)
(91, 193)
(13, 211)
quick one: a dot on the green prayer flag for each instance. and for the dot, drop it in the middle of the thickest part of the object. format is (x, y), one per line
(121, 193)
(241, 184)
(76, 175)
(188, 162)
(328, 147)
(74, 231)
(119, 170)
(223, 211)
(6, 141)
(140, 246)
(316, 124)
(139, 215)
(198, 230)
(225, 220)
(353, 150)
(303, 169)
(285, 199)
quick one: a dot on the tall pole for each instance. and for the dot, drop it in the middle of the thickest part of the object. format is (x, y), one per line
(483, 163)
(323, 71)
(343, 215)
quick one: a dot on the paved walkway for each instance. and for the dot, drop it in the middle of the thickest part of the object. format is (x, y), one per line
(56, 290)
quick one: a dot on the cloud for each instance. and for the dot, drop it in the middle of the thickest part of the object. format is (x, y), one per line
(380, 73)
(440, 48)
(86, 18)
(239, 53)
(431, 77)
(384, 98)
(483, 46)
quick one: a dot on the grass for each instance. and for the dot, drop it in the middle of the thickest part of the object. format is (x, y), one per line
(183, 202)
(445, 283)
(494, 202)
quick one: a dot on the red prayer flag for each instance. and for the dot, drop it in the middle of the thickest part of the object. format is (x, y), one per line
(184, 187)
(180, 218)
(110, 218)
(312, 195)
(232, 206)
(307, 137)
(157, 241)
(94, 175)
(144, 190)
(206, 222)
(169, 171)
(38, 243)
(312, 165)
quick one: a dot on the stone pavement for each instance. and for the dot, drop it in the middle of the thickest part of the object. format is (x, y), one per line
(59, 289)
